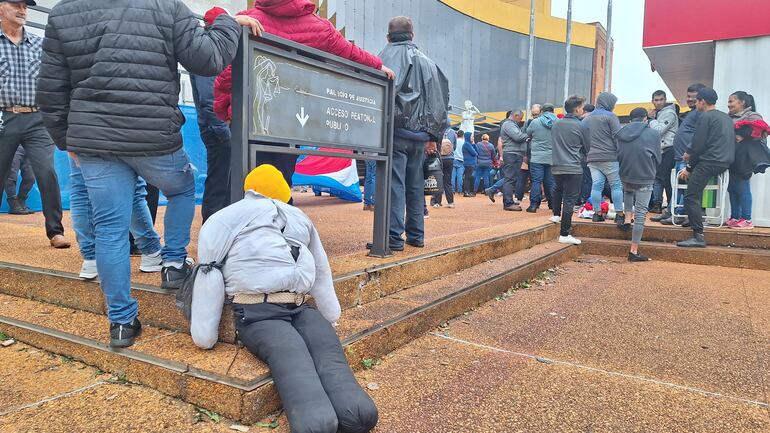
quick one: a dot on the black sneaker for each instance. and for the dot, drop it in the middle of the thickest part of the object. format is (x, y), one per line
(416, 244)
(123, 335)
(656, 208)
(597, 218)
(620, 221)
(490, 193)
(637, 257)
(370, 245)
(172, 277)
(532, 209)
(696, 241)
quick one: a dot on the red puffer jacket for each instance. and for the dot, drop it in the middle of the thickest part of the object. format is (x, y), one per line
(294, 20)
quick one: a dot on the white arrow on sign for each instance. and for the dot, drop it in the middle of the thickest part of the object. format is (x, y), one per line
(302, 117)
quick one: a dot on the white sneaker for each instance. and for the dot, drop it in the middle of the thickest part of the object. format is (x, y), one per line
(451, 205)
(436, 205)
(555, 219)
(569, 240)
(151, 263)
(88, 270)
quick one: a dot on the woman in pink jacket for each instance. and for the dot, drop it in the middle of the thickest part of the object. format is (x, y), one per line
(294, 20)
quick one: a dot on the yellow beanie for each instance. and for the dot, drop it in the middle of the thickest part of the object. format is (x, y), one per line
(268, 181)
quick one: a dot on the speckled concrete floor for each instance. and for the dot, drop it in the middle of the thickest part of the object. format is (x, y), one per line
(601, 346)
(344, 228)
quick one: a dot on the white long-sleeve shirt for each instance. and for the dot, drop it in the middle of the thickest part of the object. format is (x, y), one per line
(259, 261)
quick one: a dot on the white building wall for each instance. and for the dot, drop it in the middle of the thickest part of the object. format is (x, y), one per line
(742, 64)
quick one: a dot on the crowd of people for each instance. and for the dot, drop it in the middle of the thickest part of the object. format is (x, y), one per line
(113, 108)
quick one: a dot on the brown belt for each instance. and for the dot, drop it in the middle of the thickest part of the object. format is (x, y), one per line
(272, 298)
(19, 109)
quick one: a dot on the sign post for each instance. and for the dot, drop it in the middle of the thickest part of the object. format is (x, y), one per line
(292, 99)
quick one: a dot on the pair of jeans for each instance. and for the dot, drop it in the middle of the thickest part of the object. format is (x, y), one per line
(482, 172)
(27, 130)
(565, 196)
(636, 199)
(20, 164)
(81, 211)
(606, 171)
(693, 198)
(468, 174)
(111, 184)
(407, 199)
(511, 168)
(498, 186)
(663, 177)
(678, 166)
(369, 182)
(541, 175)
(447, 166)
(317, 388)
(216, 192)
(521, 184)
(457, 175)
(740, 197)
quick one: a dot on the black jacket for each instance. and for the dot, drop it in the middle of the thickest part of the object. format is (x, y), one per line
(638, 153)
(714, 140)
(422, 89)
(109, 81)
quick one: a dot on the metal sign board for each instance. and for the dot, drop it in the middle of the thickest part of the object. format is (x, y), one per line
(300, 101)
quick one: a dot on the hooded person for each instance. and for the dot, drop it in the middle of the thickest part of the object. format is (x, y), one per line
(420, 119)
(639, 155)
(267, 257)
(296, 21)
(540, 161)
(600, 128)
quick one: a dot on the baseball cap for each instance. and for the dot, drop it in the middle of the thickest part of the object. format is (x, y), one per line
(708, 94)
(28, 2)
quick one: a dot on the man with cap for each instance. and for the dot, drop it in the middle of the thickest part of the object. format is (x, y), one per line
(711, 153)
(20, 122)
(274, 263)
(639, 155)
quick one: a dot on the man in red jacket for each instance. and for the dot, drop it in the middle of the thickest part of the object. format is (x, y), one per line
(294, 20)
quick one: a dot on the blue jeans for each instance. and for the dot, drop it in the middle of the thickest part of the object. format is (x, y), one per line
(458, 171)
(111, 182)
(369, 182)
(606, 171)
(540, 174)
(147, 240)
(482, 172)
(740, 197)
(679, 166)
(498, 186)
(406, 192)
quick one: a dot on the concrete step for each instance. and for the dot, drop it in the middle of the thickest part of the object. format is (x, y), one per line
(353, 289)
(658, 233)
(746, 258)
(230, 380)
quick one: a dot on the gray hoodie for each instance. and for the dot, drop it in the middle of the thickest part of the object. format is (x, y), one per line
(666, 123)
(600, 128)
(540, 131)
(514, 140)
(638, 153)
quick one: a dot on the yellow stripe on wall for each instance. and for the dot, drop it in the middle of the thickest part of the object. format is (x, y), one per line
(511, 17)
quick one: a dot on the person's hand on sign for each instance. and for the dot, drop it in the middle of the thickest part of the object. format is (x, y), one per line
(391, 75)
(252, 23)
(431, 148)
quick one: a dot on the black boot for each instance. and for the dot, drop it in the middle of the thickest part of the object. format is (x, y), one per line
(16, 207)
(696, 241)
(620, 221)
(662, 216)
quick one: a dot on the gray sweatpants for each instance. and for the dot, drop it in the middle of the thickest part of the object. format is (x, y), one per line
(317, 387)
(636, 199)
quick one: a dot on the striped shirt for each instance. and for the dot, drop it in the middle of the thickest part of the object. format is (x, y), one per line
(19, 67)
